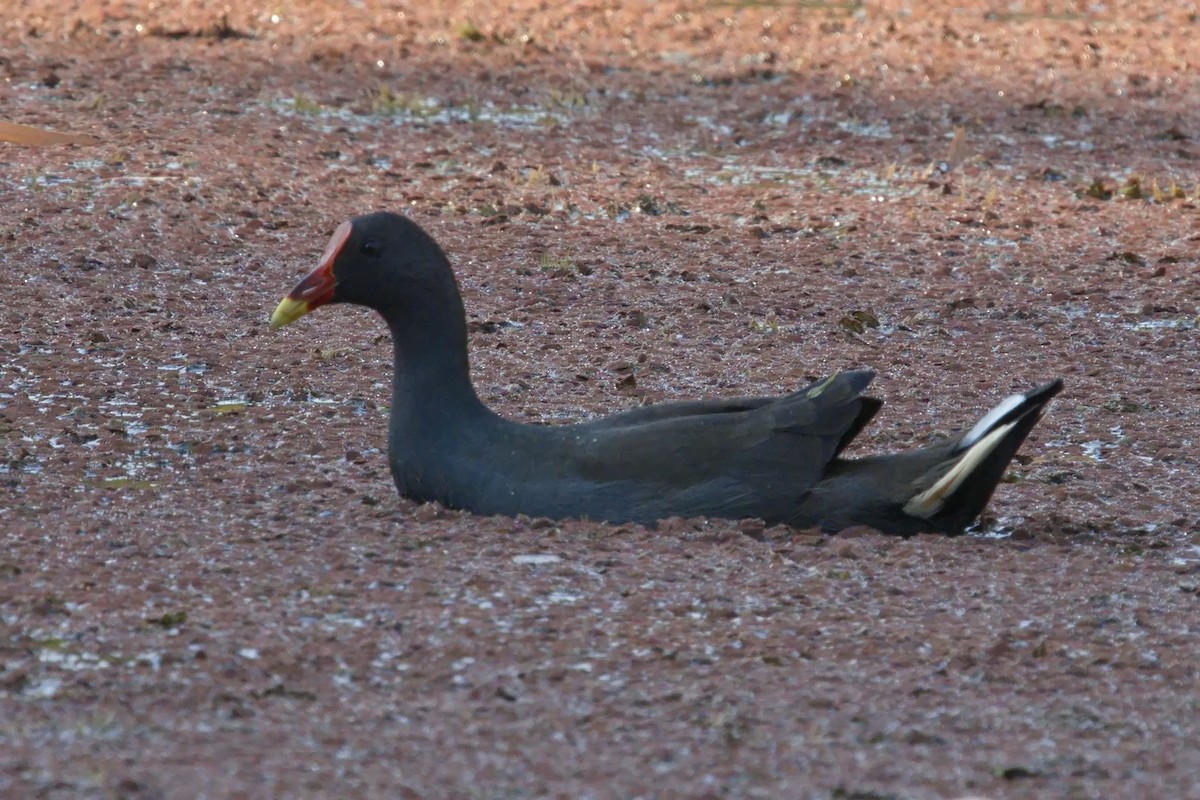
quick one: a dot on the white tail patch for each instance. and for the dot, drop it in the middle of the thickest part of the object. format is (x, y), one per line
(930, 501)
(991, 418)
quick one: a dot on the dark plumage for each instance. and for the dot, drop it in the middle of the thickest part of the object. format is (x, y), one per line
(775, 458)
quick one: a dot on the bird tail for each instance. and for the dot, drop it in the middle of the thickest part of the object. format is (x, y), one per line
(977, 461)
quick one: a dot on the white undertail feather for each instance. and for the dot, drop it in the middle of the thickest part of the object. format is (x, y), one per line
(991, 418)
(930, 501)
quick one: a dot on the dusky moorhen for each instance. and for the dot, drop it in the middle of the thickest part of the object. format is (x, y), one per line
(775, 458)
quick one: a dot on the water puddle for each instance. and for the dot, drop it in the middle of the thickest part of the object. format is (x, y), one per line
(879, 185)
(869, 130)
(426, 111)
(1180, 323)
(1109, 319)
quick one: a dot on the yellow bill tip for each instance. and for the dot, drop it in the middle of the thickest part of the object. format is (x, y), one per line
(287, 312)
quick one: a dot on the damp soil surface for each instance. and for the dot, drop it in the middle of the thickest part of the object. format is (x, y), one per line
(209, 588)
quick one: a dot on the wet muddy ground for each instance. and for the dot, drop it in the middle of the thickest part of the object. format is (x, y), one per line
(209, 588)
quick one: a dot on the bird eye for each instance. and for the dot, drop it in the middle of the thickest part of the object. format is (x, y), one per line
(371, 248)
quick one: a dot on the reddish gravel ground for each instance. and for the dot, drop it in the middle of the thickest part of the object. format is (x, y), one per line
(208, 587)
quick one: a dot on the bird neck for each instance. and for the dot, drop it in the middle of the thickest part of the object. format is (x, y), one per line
(432, 379)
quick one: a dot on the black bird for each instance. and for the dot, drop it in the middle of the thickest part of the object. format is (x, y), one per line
(775, 458)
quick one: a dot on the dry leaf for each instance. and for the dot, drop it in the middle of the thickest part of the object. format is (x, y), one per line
(27, 134)
(959, 151)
